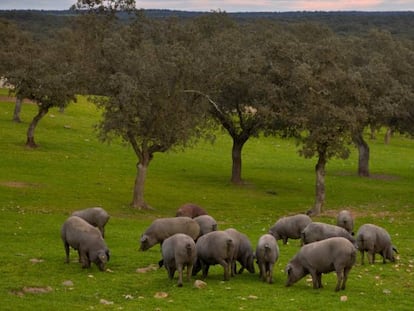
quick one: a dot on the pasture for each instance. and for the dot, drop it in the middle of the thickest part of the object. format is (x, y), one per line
(72, 170)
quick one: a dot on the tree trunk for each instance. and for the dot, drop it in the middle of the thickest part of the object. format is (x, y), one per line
(236, 156)
(363, 155)
(373, 132)
(17, 109)
(320, 185)
(138, 195)
(30, 132)
(387, 137)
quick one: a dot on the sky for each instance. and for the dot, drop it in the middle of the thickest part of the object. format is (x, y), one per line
(232, 5)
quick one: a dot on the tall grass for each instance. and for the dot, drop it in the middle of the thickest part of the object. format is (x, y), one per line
(72, 170)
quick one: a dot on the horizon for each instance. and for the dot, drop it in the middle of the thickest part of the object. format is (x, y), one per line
(234, 12)
(232, 6)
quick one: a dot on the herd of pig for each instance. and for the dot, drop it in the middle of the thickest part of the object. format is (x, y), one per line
(191, 241)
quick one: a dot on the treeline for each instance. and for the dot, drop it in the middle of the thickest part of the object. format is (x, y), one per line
(346, 22)
(164, 83)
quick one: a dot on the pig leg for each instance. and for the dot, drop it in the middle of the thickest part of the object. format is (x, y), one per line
(66, 245)
(315, 279)
(189, 269)
(371, 257)
(319, 279)
(362, 256)
(346, 272)
(340, 278)
(226, 266)
(384, 255)
(79, 257)
(262, 271)
(84, 259)
(171, 271)
(270, 273)
(204, 268)
(196, 267)
(180, 275)
(233, 268)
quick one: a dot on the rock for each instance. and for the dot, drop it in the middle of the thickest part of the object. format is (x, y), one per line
(35, 260)
(161, 295)
(252, 297)
(67, 283)
(106, 302)
(200, 284)
(37, 290)
(147, 269)
(344, 298)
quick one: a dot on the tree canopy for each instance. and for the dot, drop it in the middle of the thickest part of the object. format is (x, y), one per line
(147, 69)
(160, 82)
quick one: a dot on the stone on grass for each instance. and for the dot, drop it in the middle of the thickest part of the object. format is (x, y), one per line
(200, 284)
(161, 295)
(67, 283)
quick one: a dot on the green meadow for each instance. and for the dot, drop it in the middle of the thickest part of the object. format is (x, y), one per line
(72, 170)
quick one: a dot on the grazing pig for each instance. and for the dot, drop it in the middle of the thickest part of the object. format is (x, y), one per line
(289, 227)
(243, 251)
(346, 221)
(163, 228)
(216, 247)
(375, 240)
(317, 231)
(96, 216)
(267, 253)
(87, 240)
(206, 223)
(333, 254)
(178, 252)
(190, 210)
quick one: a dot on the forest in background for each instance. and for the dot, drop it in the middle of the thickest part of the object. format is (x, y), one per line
(347, 22)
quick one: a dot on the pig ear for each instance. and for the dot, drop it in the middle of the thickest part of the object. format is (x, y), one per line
(395, 249)
(288, 269)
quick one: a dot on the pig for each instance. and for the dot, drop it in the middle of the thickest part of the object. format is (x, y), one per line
(333, 254)
(96, 216)
(206, 223)
(216, 247)
(289, 227)
(163, 228)
(190, 210)
(243, 251)
(178, 252)
(87, 240)
(267, 253)
(375, 240)
(317, 231)
(346, 221)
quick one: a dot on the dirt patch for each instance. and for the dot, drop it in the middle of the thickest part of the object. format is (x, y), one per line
(32, 290)
(383, 177)
(372, 176)
(12, 99)
(16, 184)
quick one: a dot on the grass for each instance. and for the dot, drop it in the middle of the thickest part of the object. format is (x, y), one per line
(72, 170)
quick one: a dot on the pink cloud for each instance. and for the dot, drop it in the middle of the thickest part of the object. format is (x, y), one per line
(278, 5)
(332, 5)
